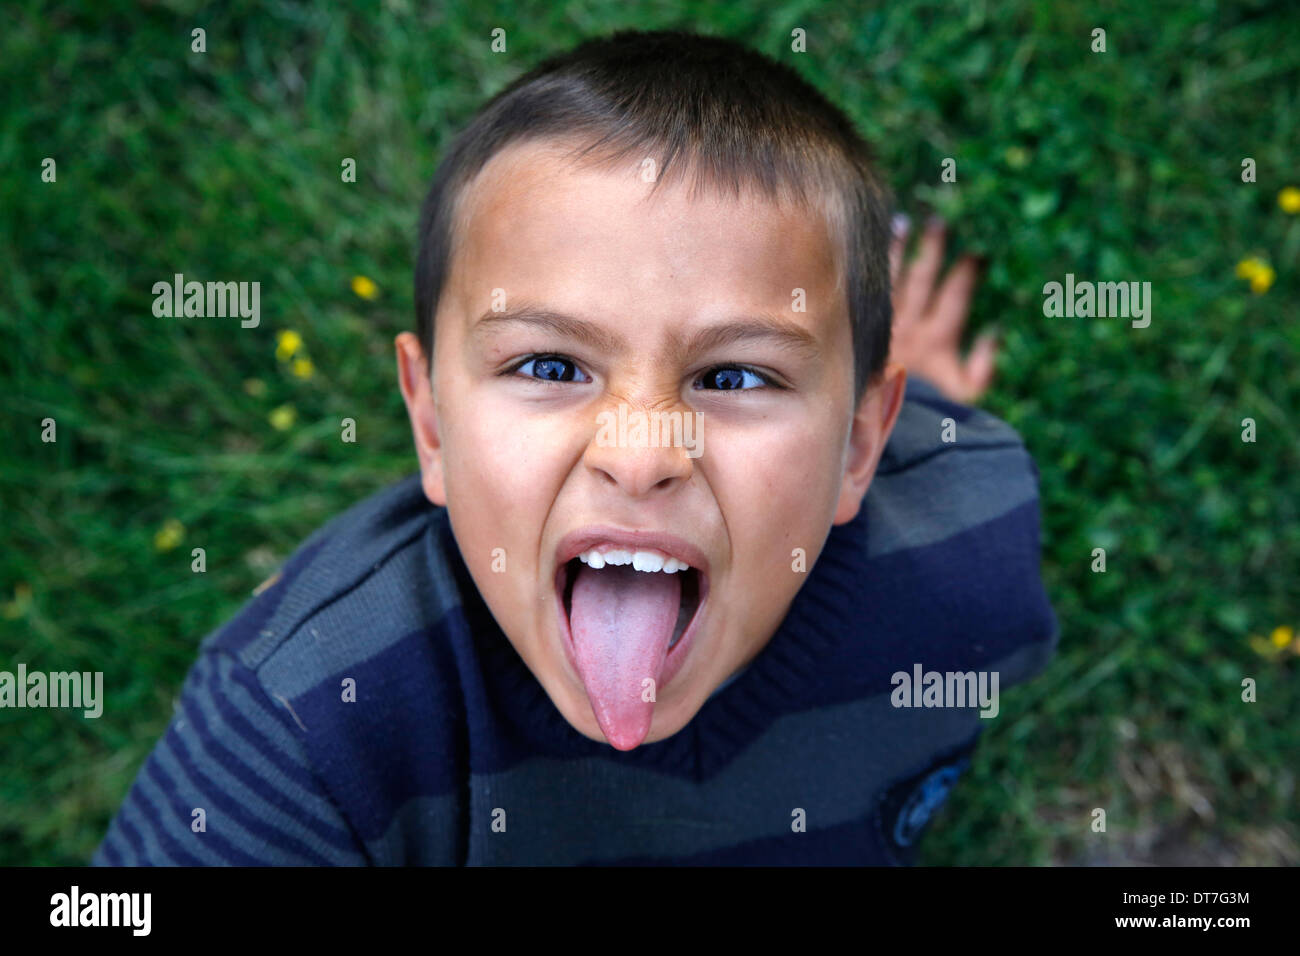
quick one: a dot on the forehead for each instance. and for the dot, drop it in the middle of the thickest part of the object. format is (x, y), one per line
(537, 224)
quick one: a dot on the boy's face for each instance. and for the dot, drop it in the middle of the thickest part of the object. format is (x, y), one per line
(670, 305)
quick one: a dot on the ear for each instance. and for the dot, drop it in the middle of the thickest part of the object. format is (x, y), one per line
(417, 392)
(872, 424)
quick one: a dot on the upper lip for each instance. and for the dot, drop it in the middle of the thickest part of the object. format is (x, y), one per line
(582, 539)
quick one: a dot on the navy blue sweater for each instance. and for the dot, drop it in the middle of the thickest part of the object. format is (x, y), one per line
(453, 754)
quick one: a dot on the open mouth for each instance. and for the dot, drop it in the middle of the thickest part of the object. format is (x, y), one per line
(690, 595)
(629, 604)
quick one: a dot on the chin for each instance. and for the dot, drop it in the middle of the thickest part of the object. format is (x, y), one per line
(671, 715)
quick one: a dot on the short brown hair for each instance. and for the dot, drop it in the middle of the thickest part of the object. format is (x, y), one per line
(737, 119)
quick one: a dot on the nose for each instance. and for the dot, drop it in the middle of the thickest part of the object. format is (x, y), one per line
(642, 450)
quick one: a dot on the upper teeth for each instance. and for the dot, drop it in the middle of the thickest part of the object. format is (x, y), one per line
(640, 560)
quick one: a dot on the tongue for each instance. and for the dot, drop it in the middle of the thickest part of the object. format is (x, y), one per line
(622, 622)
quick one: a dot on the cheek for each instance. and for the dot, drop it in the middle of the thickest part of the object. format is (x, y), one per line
(777, 475)
(778, 493)
(504, 471)
(506, 462)
(499, 492)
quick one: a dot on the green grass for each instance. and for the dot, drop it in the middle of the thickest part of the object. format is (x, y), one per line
(226, 165)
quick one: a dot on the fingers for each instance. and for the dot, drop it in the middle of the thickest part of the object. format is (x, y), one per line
(952, 302)
(919, 281)
(929, 315)
(980, 365)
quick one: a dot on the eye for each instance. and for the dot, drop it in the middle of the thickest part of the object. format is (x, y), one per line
(732, 378)
(550, 368)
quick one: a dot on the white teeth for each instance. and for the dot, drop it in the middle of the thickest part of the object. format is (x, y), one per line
(640, 560)
(647, 561)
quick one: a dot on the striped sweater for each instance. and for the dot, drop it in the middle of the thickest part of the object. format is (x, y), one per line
(451, 752)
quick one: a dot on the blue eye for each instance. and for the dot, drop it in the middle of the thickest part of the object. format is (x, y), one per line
(551, 368)
(721, 378)
(732, 378)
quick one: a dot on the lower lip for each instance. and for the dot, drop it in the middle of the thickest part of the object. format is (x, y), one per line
(676, 654)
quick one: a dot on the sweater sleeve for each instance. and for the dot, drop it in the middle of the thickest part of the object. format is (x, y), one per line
(229, 783)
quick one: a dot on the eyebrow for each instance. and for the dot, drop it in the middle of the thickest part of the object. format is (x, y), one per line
(757, 328)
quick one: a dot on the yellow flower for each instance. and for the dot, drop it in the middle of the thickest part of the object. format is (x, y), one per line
(169, 535)
(1259, 272)
(303, 368)
(286, 344)
(282, 418)
(364, 287)
(1289, 200)
(1262, 279)
(1247, 268)
(1281, 636)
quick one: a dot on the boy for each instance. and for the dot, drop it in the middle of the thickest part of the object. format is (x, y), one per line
(575, 639)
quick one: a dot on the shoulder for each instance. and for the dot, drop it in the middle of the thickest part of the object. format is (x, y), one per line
(947, 468)
(271, 741)
(930, 425)
(359, 640)
(955, 502)
(352, 591)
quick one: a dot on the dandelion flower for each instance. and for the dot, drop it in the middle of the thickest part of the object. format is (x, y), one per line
(364, 287)
(169, 535)
(302, 367)
(1262, 279)
(1247, 268)
(1289, 200)
(282, 418)
(1281, 636)
(287, 344)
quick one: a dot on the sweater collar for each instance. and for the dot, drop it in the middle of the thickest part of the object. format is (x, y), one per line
(781, 678)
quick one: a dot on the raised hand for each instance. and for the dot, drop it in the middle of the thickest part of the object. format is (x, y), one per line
(928, 322)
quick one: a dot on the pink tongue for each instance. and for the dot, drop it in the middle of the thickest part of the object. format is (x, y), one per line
(622, 622)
